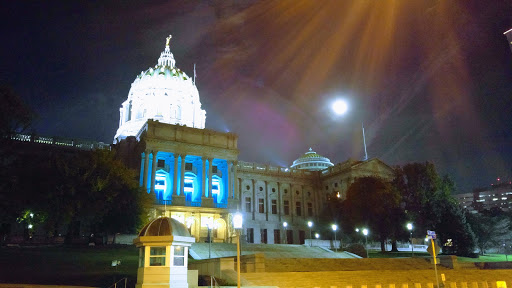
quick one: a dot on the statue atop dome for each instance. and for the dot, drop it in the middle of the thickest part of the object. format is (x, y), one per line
(167, 40)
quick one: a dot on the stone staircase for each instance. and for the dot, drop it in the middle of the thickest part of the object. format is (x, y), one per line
(218, 250)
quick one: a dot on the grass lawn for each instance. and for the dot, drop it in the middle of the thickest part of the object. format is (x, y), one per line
(487, 258)
(84, 266)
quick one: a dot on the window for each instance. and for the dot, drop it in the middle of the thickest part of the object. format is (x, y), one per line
(277, 236)
(261, 205)
(250, 235)
(336, 184)
(247, 187)
(248, 204)
(263, 233)
(188, 166)
(179, 256)
(286, 205)
(310, 209)
(157, 256)
(285, 191)
(274, 206)
(214, 169)
(161, 163)
(298, 208)
(261, 188)
(326, 187)
(273, 189)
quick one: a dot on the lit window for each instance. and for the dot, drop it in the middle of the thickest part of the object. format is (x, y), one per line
(157, 256)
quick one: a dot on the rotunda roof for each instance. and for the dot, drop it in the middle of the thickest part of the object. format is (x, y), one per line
(312, 161)
(164, 226)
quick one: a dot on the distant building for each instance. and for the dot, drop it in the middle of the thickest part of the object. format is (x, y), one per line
(497, 196)
(197, 179)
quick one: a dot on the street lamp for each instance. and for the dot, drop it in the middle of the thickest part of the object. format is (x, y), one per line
(310, 224)
(317, 236)
(365, 232)
(284, 232)
(334, 228)
(237, 224)
(410, 227)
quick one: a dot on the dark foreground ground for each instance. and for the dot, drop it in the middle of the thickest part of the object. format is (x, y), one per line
(83, 266)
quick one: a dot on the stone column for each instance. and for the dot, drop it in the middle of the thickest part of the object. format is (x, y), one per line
(210, 160)
(175, 174)
(203, 177)
(303, 205)
(153, 171)
(235, 179)
(182, 174)
(253, 200)
(239, 194)
(279, 204)
(145, 170)
(230, 179)
(266, 201)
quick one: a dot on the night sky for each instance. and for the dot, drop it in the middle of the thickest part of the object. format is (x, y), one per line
(431, 80)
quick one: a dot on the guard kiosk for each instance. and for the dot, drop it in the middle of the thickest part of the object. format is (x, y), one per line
(163, 254)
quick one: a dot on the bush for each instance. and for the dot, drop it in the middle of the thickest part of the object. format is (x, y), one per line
(357, 249)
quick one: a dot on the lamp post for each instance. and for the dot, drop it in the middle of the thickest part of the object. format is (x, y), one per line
(410, 227)
(334, 228)
(237, 224)
(365, 232)
(284, 232)
(310, 224)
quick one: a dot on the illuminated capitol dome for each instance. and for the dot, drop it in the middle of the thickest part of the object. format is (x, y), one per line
(312, 161)
(163, 93)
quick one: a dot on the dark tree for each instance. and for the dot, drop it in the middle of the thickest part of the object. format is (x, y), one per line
(428, 203)
(372, 202)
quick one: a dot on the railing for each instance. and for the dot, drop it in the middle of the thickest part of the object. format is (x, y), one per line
(115, 284)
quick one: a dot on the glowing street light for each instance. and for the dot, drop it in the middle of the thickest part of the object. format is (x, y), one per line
(237, 224)
(334, 228)
(317, 236)
(310, 224)
(410, 227)
(365, 232)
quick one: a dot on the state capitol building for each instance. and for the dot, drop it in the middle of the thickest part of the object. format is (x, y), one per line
(196, 176)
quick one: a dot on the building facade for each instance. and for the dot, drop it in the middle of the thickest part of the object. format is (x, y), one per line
(197, 179)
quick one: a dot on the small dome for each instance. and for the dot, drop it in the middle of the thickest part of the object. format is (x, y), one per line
(164, 226)
(312, 161)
